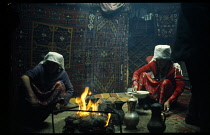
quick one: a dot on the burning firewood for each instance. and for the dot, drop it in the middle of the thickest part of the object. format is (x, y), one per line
(85, 120)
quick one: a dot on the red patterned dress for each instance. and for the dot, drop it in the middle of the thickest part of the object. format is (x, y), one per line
(162, 88)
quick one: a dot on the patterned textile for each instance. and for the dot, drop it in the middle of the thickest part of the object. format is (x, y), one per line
(173, 74)
(166, 21)
(56, 94)
(48, 37)
(106, 53)
(108, 96)
(160, 90)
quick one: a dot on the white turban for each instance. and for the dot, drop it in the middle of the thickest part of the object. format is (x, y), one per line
(54, 57)
(164, 52)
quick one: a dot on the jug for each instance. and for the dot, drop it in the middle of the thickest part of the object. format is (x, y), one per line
(118, 109)
(156, 123)
(131, 118)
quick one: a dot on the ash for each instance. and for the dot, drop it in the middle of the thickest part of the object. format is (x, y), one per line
(87, 124)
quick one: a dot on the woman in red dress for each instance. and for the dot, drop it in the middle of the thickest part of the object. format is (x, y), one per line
(161, 77)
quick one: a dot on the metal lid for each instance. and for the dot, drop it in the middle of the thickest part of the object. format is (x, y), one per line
(132, 99)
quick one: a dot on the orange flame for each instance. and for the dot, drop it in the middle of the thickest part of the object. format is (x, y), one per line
(82, 104)
(107, 121)
(91, 106)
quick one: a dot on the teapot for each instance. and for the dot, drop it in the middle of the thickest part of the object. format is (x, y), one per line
(131, 118)
(157, 121)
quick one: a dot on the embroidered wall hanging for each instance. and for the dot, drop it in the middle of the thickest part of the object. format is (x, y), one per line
(49, 37)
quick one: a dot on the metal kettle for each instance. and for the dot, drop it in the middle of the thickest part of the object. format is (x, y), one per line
(131, 118)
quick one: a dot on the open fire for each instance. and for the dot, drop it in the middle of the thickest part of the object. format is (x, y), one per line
(92, 105)
(85, 120)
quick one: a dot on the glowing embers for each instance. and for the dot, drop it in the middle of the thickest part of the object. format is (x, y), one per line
(88, 119)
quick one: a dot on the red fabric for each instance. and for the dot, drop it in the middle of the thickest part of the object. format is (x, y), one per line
(149, 58)
(56, 93)
(169, 88)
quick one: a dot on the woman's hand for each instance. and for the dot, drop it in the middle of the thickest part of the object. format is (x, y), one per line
(31, 97)
(166, 106)
(33, 101)
(135, 86)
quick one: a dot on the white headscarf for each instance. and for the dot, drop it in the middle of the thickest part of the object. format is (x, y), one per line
(54, 57)
(164, 52)
(110, 7)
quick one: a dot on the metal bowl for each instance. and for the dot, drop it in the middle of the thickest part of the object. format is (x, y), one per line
(140, 94)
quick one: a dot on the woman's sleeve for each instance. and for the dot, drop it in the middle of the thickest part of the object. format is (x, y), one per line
(35, 72)
(69, 88)
(179, 86)
(145, 68)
